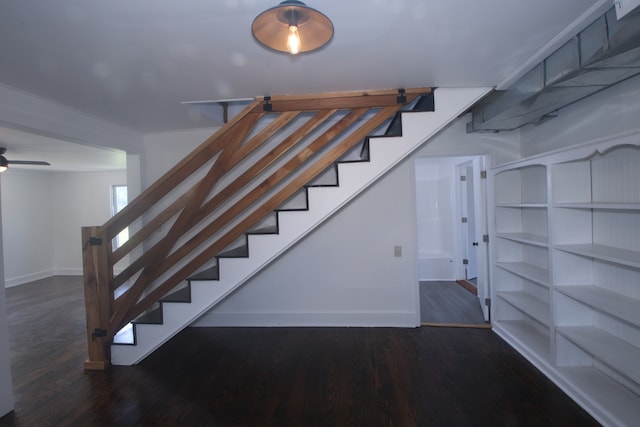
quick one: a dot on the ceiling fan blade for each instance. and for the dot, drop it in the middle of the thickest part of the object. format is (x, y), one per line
(28, 162)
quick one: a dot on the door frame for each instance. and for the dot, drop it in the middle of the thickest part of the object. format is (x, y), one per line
(480, 163)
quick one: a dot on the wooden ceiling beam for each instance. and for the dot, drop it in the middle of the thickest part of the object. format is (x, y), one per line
(337, 100)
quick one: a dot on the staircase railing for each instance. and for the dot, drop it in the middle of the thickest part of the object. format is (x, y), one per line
(208, 200)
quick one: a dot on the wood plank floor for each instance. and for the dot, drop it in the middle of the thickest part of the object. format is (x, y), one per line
(272, 376)
(447, 302)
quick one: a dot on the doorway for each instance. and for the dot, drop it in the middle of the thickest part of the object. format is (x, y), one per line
(451, 222)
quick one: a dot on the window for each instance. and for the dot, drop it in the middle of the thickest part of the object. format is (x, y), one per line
(118, 201)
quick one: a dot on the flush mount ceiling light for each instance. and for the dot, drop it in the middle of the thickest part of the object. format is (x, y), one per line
(292, 27)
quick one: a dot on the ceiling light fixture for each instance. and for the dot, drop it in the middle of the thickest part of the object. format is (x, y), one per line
(4, 164)
(292, 27)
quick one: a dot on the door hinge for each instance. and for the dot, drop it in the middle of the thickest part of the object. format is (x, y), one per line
(464, 220)
(465, 261)
(463, 178)
(483, 174)
(487, 302)
(485, 238)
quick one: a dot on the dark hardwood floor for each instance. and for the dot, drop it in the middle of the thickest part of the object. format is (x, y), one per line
(447, 302)
(272, 376)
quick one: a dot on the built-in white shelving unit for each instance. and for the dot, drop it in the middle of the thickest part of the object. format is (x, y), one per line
(521, 302)
(566, 271)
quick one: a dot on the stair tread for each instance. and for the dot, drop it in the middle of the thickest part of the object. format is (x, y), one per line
(291, 209)
(181, 295)
(209, 274)
(239, 252)
(270, 229)
(153, 317)
(425, 103)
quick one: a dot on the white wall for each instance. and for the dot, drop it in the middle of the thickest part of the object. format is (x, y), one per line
(163, 150)
(435, 211)
(345, 273)
(615, 110)
(438, 227)
(6, 388)
(27, 211)
(43, 213)
(81, 199)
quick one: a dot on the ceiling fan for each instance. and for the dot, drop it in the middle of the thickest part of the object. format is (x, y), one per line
(4, 163)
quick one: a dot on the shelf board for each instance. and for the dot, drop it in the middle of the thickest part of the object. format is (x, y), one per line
(618, 354)
(599, 205)
(611, 303)
(534, 340)
(530, 272)
(528, 238)
(529, 305)
(605, 253)
(522, 205)
(620, 405)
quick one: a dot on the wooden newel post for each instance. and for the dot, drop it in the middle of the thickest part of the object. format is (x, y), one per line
(97, 296)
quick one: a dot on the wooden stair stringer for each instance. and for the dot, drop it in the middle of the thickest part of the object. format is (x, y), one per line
(354, 177)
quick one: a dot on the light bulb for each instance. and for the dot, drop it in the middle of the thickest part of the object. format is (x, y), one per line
(293, 41)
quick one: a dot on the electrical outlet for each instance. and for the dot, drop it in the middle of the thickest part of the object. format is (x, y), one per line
(397, 251)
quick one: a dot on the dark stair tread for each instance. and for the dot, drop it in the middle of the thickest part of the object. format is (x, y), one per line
(154, 317)
(239, 252)
(209, 274)
(270, 229)
(292, 209)
(425, 103)
(181, 295)
(395, 126)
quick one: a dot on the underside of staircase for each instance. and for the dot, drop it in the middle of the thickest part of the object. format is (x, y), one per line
(127, 338)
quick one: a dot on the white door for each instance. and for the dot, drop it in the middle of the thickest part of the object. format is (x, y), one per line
(472, 198)
(467, 220)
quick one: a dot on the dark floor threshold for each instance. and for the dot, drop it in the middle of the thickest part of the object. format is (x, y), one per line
(456, 325)
(468, 286)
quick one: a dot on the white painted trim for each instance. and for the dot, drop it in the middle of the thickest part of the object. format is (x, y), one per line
(626, 137)
(327, 319)
(414, 242)
(27, 278)
(23, 110)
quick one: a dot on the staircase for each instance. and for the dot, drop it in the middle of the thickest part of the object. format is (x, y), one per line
(332, 185)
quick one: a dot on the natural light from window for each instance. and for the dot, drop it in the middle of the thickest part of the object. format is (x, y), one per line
(118, 201)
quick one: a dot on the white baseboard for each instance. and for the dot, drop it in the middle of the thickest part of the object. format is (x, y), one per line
(28, 278)
(398, 320)
(68, 272)
(21, 280)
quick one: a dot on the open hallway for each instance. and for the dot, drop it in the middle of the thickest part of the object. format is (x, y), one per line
(272, 376)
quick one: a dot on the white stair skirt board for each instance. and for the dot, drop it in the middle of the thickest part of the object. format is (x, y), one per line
(417, 127)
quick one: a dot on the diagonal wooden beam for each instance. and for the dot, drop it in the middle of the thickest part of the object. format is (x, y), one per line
(175, 207)
(175, 175)
(311, 172)
(159, 251)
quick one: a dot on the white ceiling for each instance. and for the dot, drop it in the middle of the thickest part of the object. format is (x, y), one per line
(134, 62)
